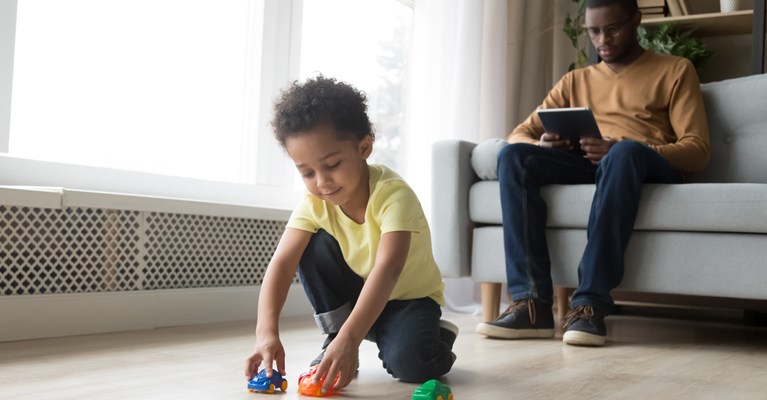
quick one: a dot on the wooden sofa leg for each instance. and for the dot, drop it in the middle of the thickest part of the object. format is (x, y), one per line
(563, 301)
(491, 300)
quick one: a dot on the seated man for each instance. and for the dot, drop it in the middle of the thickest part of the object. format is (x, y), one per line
(650, 111)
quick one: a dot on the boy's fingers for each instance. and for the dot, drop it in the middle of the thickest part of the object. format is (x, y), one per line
(329, 379)
(319, 373)
(322, 370)
(281, 364)
(251, 366)
(346, 379)
(267, 364)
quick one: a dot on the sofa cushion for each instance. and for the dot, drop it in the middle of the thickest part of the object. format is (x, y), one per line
(484, 158)
(738, 126)
(692, 263)
(737, 207)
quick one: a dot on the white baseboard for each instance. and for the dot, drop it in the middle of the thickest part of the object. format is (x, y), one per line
(52, 315)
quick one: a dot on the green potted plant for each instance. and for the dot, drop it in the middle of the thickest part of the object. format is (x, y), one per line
(574, 30)
(667, 39)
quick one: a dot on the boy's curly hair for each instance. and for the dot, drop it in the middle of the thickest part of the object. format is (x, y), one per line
(321, 100)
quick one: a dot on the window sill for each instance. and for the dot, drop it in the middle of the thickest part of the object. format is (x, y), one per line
(84, 186)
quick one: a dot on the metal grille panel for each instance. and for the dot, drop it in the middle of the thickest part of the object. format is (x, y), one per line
(186, 251)
(79, 250)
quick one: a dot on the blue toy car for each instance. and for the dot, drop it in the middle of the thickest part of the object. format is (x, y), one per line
(432, 390)
(262, 383)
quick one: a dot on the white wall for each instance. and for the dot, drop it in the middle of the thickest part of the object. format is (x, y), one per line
(54, 315)
(7, 40)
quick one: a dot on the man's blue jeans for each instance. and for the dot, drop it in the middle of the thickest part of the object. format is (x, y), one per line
(407, 331)
(524, 168)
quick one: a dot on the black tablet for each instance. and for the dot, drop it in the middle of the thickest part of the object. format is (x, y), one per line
(570, 123)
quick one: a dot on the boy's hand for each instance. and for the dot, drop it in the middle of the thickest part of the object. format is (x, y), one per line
(341, 358)
(595, 148)
(267, 350)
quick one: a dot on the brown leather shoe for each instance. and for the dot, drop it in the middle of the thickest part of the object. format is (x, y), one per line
(524, 319)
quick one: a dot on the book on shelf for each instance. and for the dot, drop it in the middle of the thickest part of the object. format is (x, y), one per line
(674, 8)
(653, 16)
(677, 8)
(652, 10)
(650, 3)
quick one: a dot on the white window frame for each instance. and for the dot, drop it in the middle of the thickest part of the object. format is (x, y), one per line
(7, 40)
(279, 44)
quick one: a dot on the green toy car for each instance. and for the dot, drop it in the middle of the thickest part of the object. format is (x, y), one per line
(433, 390)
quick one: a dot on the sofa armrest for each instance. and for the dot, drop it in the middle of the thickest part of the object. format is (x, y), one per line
(452, 176)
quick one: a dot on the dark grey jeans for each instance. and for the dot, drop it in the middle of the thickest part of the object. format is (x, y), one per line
(406, 332)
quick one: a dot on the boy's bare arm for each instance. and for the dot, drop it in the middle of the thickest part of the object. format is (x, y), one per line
(279, 276)
(390, 261)
(274, 290)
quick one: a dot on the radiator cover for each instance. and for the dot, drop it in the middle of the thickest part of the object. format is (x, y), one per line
(87, 249)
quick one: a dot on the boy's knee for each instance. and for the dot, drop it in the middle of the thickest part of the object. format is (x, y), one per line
(322, 240)
(414, 365)
(411, 372)
(321, 246)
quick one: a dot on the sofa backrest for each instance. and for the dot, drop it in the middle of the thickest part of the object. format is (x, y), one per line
(737, 121)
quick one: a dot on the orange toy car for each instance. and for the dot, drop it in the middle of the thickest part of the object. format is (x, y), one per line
(308, 388)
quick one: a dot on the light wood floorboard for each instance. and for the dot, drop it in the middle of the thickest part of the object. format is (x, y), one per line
(645, 358)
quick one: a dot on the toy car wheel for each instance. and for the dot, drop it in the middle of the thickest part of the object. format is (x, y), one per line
(439, 397)
(450, 396)
(284, 386)
(271, 388)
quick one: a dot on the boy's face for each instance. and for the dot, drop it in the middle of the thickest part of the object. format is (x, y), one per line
(332, 169)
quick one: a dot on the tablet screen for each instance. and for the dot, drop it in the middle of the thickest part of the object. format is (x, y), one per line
(570, 123)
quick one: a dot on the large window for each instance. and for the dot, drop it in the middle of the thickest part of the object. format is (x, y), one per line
(184, 87)
(145, 85)
(369, 48)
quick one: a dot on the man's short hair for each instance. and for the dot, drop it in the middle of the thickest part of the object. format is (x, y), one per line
(628, 5)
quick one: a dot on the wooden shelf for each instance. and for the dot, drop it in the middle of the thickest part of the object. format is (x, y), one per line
(712, 24)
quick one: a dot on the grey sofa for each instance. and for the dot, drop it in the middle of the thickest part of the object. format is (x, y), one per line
(706, 238)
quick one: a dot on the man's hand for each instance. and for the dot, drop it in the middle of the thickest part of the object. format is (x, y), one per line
(552, 141)
(341, 358)
(596, 148)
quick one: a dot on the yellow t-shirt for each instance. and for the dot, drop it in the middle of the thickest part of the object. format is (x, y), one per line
(393, 206)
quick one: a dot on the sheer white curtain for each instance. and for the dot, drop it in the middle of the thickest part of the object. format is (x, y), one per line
(479, 68)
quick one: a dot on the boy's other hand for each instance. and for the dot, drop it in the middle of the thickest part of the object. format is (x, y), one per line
(341, 358)
(268, 349)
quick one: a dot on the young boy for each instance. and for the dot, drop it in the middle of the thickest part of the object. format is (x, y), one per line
(361, 244)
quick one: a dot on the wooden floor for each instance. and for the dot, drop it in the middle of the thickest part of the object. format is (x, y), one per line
(645, 357)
